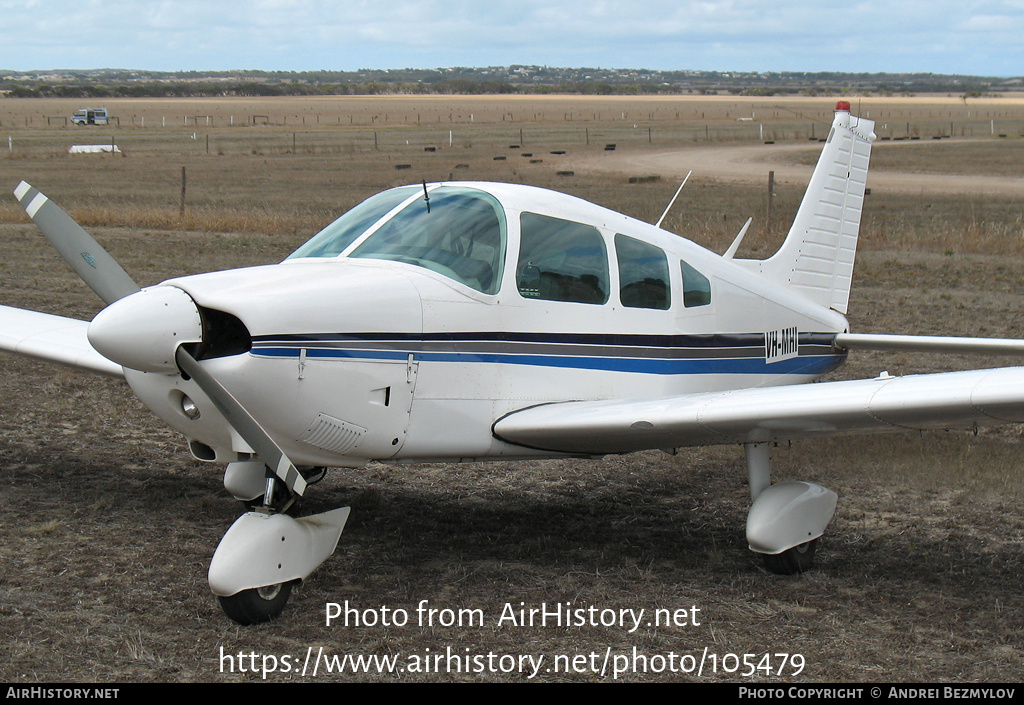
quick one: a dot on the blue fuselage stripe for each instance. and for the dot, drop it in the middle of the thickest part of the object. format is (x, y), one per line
(803, 364)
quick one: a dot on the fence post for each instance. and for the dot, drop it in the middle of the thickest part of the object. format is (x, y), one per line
(182, 210)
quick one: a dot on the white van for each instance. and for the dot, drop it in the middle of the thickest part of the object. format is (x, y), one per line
(90, 116)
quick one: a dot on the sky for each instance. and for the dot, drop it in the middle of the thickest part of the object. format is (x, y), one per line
(967, 37)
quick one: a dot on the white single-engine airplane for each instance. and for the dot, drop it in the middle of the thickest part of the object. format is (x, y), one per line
(469, 321)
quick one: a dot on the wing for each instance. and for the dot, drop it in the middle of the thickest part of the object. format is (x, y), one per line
(52, 338)
(946, 400)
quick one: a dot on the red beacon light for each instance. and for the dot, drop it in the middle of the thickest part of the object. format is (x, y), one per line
(843, 106)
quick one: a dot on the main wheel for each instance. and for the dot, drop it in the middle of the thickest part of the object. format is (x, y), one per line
(792, 561)
(258, 604)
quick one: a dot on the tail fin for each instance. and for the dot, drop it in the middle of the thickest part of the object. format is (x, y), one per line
(817, 256)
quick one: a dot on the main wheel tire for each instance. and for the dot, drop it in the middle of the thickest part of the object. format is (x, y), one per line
(257, 605)
(792, 561)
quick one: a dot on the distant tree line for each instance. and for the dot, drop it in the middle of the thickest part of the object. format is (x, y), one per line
(198, 90)
(114, 83)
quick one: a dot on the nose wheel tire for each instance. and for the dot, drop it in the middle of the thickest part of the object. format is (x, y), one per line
(792, 561)
(257, 605)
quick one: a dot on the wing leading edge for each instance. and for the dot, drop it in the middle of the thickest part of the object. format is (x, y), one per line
(915, 402)
(52, 338)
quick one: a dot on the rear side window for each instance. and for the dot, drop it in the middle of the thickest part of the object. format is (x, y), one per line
(561, 260)
(643, 274)
(696, 287)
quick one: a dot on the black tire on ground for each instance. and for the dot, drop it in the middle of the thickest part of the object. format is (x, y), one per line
(792, 561)
(257, 605)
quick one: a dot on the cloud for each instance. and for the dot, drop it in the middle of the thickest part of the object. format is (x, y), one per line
(979, 36)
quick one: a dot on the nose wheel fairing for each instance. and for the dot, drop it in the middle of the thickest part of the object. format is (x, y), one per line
(262, 550)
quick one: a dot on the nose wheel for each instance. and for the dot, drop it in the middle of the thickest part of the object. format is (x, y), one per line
(257, 605)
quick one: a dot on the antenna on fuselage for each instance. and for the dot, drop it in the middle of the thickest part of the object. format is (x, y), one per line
(736, 243)
(658, 224)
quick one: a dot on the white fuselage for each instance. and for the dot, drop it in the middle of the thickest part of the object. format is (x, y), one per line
(357, 358)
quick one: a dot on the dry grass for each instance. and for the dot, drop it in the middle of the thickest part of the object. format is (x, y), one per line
(993, 157)
(109, 525)
(223, 220)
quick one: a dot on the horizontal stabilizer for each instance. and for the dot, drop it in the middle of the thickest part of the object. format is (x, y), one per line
(930, 343)
(52, 338)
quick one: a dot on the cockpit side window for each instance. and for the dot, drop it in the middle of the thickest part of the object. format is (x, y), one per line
(643, 274)
(561, 260)
(336, 237)
(696, 287)
(458, 232)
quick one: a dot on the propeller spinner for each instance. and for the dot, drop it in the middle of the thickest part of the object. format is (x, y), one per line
(142, 331)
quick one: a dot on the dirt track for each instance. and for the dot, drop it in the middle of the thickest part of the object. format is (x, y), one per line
(751, 163)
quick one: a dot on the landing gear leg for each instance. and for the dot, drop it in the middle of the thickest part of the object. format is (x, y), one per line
(276, 497)
(759, 468)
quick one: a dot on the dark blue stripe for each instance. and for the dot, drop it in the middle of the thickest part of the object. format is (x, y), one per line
(711, 340)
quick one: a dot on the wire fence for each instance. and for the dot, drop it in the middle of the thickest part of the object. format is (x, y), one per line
(276, 139)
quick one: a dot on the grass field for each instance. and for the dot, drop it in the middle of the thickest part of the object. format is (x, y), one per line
(109, 524)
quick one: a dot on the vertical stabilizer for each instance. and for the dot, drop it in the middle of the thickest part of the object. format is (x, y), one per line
(816, 259)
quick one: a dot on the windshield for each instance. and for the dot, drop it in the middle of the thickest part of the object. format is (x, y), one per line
(459, 233)
(332, 240)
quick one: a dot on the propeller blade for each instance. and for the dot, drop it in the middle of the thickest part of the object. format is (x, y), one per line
(98, 269)
(243, 422)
